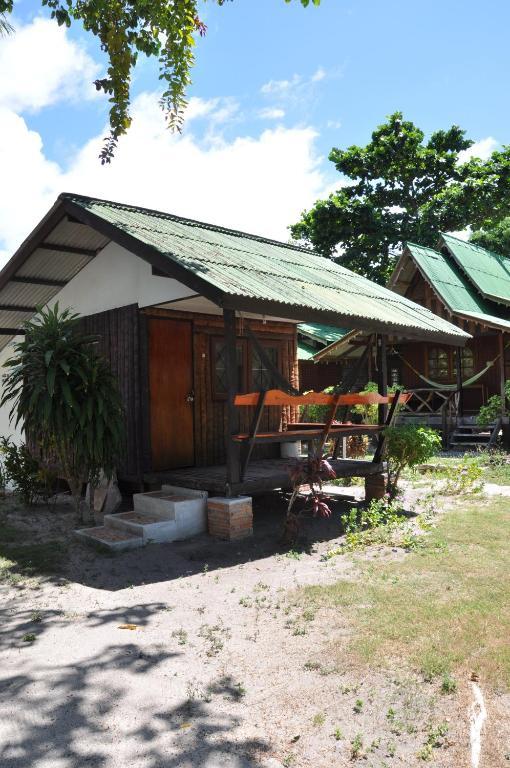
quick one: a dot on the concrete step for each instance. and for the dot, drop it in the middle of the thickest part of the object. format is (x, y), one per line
(113, 539)
(185, 506)
(147, 527)
(466, 444)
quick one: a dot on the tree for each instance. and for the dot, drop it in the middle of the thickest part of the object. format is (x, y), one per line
(403, 188)
(66, 397)
(495, 238)
(163, 29)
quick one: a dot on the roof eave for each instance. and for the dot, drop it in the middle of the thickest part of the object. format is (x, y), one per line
(304, 314)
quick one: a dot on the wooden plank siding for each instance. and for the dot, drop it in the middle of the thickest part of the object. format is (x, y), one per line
(210, 417)
(123, 339)
(118, 340)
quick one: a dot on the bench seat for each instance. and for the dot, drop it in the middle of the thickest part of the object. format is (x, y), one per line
(295, 434)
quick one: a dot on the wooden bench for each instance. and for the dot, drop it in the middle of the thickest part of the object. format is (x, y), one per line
(321, 432)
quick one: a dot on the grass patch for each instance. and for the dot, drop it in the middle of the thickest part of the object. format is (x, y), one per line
(445, 607)
(19, 562)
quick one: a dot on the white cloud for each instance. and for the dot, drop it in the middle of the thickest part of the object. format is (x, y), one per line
(271, 113)
(280, 87)
(482, 149)
(257, 184)
(40, 65)
(319, 74)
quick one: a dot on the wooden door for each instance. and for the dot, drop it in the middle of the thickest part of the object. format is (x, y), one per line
(171, 393)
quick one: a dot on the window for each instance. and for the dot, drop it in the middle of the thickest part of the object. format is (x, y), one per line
(220, 367)
(252, 373)
(468, 363)
(438, 364)
(261, 377)
(442, 363)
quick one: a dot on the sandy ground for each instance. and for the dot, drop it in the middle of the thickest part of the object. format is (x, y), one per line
(220, 668)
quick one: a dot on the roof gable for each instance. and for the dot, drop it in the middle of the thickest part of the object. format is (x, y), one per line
(487, 271)
(453, 288)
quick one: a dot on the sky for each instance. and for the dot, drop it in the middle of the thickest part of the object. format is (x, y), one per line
(275, 87)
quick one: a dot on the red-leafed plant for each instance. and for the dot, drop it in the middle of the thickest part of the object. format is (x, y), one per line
(308, 476)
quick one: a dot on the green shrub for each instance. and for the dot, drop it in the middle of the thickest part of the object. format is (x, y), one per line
(21, 470)
(30, 479)
(464, 477)
(494, 407)
(407, 446)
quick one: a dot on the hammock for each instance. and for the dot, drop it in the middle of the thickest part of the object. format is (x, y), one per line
(451, 387)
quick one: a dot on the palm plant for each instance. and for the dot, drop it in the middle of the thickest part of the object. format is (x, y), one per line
(66, 397)
(5, 27)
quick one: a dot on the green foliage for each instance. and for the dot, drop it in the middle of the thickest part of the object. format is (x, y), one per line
(495, 237)
(165, 31)
(378, 512)
(66, 397)
(404, 188)
(407, 446)
(29, 479)
(491, 411)
(464, 477)
(370, 413)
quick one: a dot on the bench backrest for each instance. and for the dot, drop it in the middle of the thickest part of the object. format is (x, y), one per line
(277, 397)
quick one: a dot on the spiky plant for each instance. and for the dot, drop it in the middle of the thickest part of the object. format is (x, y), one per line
(66, 398)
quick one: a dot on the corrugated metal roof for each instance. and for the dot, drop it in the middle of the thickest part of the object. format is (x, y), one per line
(455, 290)
(487, 271)
(323, 333)
(42, 265)
(249, 267)
(304, 352)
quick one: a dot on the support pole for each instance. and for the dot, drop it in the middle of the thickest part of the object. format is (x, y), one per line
(382, 374)
(232, 448)
(460, 390)
(501, 342)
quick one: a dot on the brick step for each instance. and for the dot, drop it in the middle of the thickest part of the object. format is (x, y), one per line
(109, 537)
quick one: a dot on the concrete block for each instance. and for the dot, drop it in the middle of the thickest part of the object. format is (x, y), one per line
(185, 506)
(110, 538)
(150, 528)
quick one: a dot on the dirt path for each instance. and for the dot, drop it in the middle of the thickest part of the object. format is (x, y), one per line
(221, 669)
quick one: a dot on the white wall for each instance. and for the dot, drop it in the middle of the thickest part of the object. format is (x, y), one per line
(116, 278)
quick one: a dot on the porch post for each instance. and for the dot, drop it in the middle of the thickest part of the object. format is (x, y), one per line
(501, 342)
(458, 370)
(232, 449)
(382, 374)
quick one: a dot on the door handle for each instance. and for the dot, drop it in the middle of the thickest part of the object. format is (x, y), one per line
(190, 398)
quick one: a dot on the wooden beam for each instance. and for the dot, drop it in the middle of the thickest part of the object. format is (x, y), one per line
(232, 450)
(17, 308)
(458, 373)
(382, 374)
(38, 281)
(501, 344)
(58, 248)
(254, 428)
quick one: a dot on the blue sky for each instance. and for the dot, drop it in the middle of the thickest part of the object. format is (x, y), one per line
(275, 87)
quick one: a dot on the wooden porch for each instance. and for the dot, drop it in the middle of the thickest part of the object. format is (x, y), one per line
(261, 476)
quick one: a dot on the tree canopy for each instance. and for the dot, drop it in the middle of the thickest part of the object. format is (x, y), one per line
(495, 238)
(163, 29)
(403, 188)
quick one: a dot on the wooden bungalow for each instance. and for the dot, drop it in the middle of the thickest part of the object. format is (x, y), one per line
(189, 314)
(470, 287)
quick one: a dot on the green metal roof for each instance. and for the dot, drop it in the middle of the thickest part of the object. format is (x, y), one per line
(453, 287)
(487, 271)
(304, 352)
(251, 273)
(325, 334)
